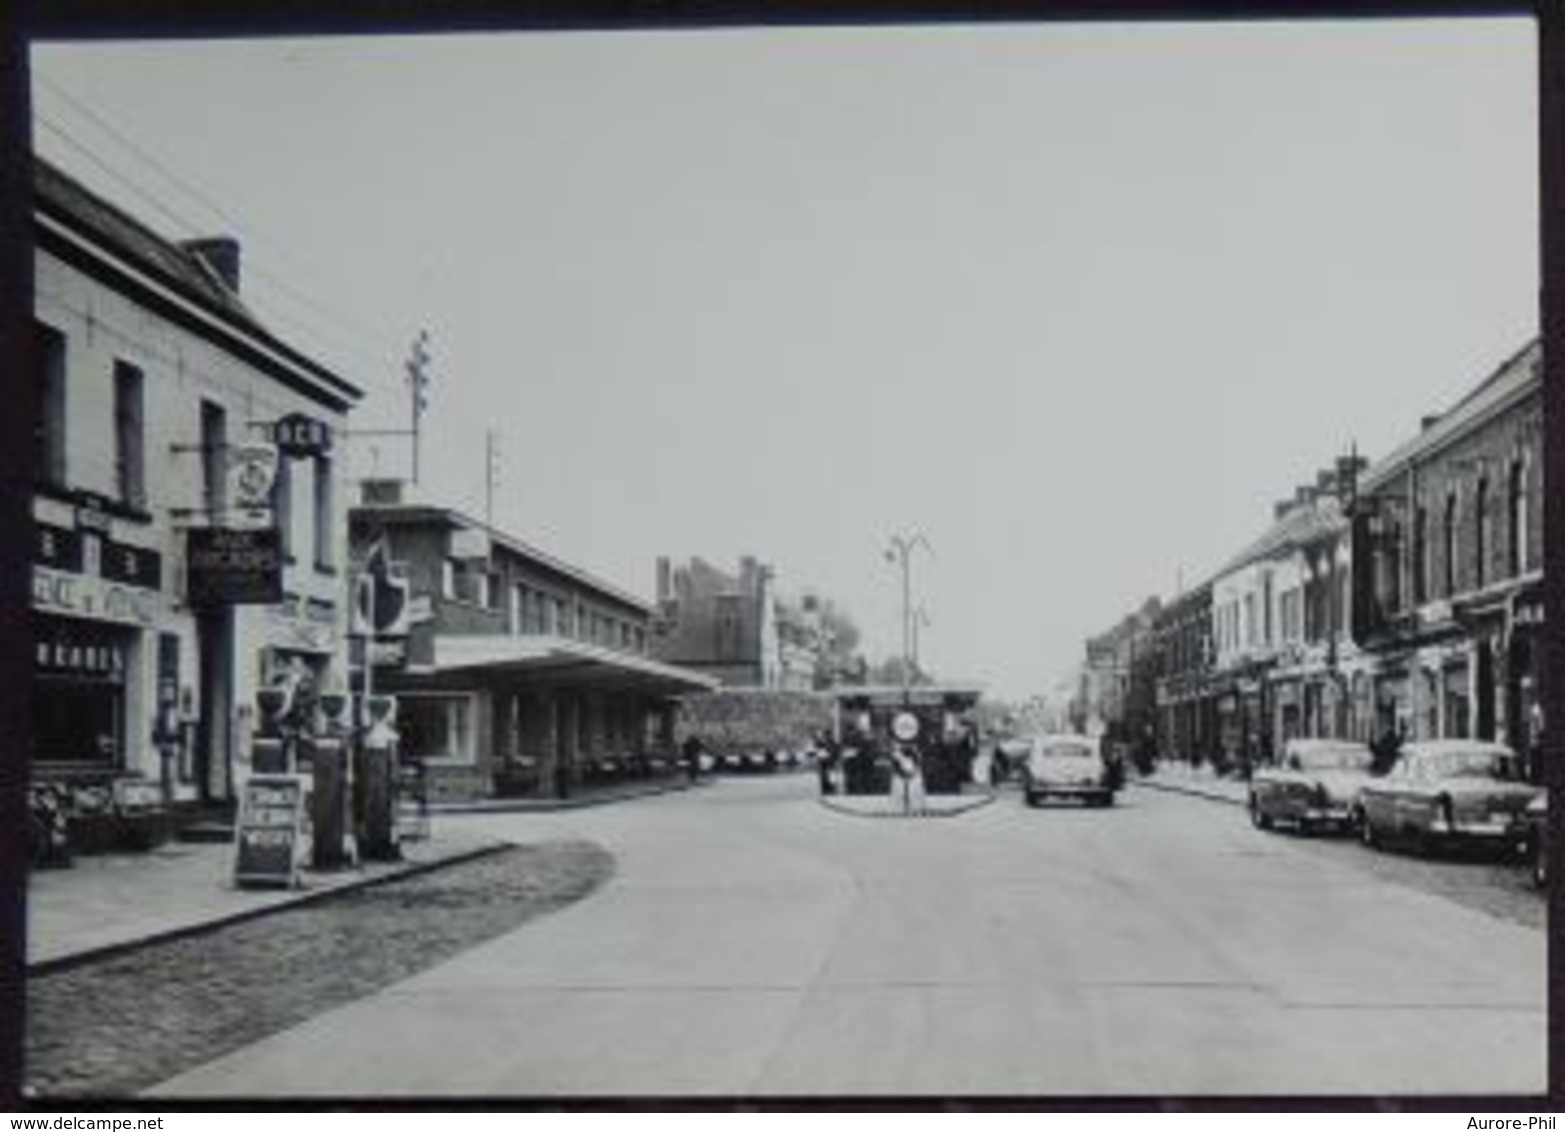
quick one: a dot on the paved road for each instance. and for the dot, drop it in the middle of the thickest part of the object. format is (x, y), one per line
(754, 943)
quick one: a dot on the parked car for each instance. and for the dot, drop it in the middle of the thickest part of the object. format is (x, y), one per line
(1536, 835)
(1315, 786)
(1068, 766)
(1446, 791)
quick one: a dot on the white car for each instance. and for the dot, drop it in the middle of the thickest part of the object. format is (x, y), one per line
(1067, 766)
(1316, 786)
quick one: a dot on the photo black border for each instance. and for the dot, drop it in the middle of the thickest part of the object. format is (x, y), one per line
(63, 20)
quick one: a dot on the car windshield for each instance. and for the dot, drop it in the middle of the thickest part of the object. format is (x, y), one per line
(1330, 758)
(1457, 764)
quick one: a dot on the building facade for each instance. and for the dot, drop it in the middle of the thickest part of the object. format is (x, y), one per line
(1448, 543)
(1184, 654)
(152, 375)
(736, 628)
(519, 673)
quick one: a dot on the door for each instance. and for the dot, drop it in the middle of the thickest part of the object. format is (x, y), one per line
(215, 687)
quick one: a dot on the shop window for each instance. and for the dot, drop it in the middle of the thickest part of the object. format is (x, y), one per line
(436, 728)
(50, 429)
(129, 435)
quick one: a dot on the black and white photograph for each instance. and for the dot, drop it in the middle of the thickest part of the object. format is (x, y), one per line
(768, 562)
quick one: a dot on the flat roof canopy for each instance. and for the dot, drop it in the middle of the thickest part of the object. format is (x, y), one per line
(560, 661)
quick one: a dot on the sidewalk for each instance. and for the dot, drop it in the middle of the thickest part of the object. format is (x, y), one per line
(1200, 782)
(581, 798)
(113, 901)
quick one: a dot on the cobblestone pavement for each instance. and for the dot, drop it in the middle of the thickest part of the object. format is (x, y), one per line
(1487, 882)
(114, 1027)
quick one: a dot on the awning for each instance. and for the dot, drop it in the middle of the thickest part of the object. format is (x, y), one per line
(560, 661)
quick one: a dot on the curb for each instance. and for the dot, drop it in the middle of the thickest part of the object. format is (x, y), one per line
(114, 950)
(552, 805)
(839, 808)
(1190, 791)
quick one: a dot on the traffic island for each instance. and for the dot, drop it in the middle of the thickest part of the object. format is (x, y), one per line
(890, 806)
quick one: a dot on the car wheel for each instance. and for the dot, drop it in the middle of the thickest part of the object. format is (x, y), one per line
(1106, 799)
(1032, 800)
(1258, 819)
(1306, 827)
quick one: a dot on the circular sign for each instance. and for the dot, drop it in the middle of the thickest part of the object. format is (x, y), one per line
(252, 469)
(905, 726)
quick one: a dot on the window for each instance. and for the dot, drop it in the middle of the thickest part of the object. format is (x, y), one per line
(1481, 534)
(325, 519)
(448, 579)
(1449, 544)
(1516, 521)
(1251, 622)
(129, 435)
(515, 614)
(436, 728)
(1420, 555)
(50, 431)
(214, 459)
(282, 505)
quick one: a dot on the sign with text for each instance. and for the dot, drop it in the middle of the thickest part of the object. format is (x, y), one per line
(266, 840)
(225, 566)
(299, 437)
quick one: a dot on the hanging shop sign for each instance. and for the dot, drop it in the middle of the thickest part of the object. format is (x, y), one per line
(299, 437)
(227, 566)
(267, 836)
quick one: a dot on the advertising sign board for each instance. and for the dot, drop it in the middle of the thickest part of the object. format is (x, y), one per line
(266, 840)
(233, 567)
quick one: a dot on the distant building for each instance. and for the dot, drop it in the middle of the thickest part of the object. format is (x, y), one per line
(736, 628)
(1118, 689)
(521, 674)
(151, 373)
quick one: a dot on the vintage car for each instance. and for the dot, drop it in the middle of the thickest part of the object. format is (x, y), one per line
(1446, 791)
(1315, 786)
(1068, 766)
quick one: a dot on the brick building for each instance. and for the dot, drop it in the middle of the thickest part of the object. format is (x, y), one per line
(1448, 552)
(736, 627)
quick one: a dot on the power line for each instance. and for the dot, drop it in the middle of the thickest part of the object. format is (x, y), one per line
(382, 364)
(217, 210)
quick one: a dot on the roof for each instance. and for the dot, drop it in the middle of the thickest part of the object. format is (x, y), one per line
(1515, 375)
(1299, 526)
(65, 201)
(428, 512)
(561, 660)
(1449, 746)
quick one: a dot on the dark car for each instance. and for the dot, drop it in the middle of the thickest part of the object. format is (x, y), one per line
(1316, 786)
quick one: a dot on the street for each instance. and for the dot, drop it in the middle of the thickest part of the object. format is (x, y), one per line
(752, 942)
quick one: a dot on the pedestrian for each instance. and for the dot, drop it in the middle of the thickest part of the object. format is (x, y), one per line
(692, 751)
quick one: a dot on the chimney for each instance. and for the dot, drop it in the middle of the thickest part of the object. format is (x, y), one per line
(1281, 508)
(1326, 482)
(665, 579)
(1428, 422)
(221, 255)
(1305, 494)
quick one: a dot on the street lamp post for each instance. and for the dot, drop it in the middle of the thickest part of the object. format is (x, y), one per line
(900, 551)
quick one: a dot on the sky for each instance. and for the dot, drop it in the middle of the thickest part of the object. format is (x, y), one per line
(1075, 303)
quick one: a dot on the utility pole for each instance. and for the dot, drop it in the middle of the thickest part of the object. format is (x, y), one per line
(491, 473)
(418, 386)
